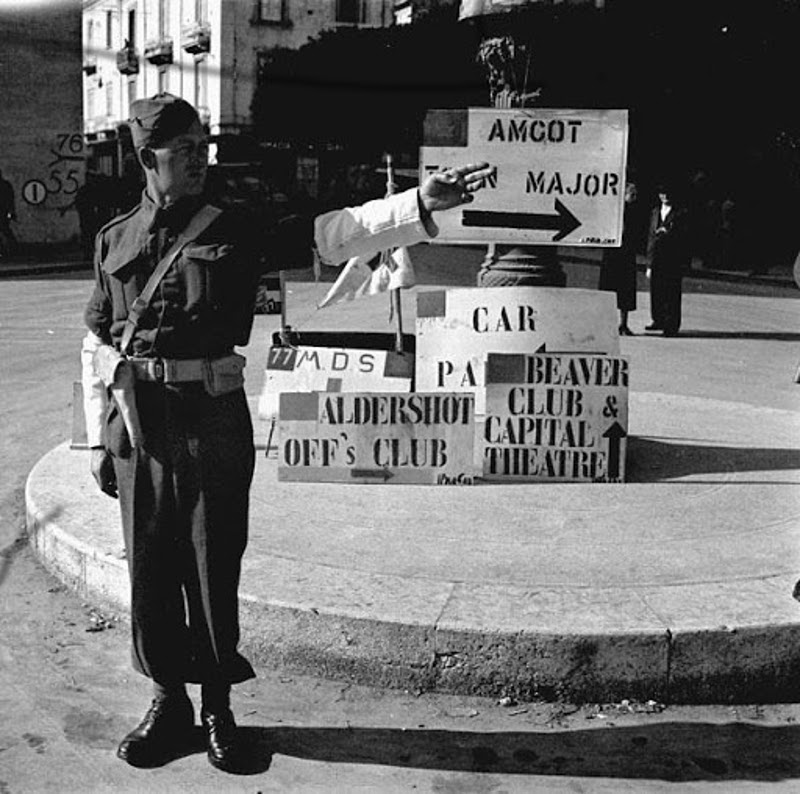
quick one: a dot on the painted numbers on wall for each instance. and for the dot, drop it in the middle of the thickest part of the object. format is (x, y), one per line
(67, 150)
(65, 171)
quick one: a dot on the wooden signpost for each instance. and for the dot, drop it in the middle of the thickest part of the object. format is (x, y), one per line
(555, 418)
(371, 437)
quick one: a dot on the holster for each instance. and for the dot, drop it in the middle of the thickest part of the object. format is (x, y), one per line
(224, 375)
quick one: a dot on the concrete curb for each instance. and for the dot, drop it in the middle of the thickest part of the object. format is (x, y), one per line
(669, 660)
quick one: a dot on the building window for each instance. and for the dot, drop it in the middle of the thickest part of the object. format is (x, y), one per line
(90, 34)
(270, 10)
(197, 73)
(131, 92)
(162, 18)
(90, 102)
(132, 28)
(350, 12)
(109, 30)
(162, 81)
(200, 10)
(109, 99)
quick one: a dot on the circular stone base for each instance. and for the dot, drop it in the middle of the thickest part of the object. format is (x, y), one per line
(676, 585)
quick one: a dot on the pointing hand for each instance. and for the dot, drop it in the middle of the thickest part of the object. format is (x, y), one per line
(444, 190)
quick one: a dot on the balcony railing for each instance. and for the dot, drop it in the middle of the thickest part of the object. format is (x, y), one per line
(128, 60)
(159, 51)
(196, 38)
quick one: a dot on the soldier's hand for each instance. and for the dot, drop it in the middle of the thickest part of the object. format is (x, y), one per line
(102, 467)
(444, 190)
(123, 389)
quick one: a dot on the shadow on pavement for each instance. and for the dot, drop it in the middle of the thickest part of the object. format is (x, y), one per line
(20, 544)
(649, 460)
(7, 555)
(772, 336)
(666, 751)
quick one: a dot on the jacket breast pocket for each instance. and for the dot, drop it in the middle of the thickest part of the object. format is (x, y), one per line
(205, 273)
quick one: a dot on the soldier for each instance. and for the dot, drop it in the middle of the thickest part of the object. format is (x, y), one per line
(175, 285)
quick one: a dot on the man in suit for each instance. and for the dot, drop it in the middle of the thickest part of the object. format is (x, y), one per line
(668, 260)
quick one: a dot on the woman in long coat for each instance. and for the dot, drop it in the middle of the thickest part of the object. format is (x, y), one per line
(618, 267)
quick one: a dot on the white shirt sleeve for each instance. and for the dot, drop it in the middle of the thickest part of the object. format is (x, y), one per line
(376, 226)
(95, 398)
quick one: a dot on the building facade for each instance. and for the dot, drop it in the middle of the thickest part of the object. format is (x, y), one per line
(41, 128)
(207, 51)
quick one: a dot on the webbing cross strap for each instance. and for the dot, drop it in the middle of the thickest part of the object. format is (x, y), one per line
(202, 219)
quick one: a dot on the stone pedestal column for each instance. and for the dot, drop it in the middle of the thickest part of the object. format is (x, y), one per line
(508, 65)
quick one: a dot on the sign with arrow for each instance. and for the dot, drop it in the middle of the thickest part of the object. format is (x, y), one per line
(560, 175)
(555, 418)
(388, 438)
(457, 327)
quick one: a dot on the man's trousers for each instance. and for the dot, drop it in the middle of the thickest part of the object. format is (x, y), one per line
(184, 501)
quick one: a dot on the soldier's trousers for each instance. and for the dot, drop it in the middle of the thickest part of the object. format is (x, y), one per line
(184, 500)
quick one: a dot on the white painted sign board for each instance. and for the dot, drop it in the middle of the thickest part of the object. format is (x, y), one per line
(555, 418)
(385, 438)
(456, 328)
(317, 369)
(560, 174)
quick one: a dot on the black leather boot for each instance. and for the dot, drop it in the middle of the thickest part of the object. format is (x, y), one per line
(166, 727)
(224, 749)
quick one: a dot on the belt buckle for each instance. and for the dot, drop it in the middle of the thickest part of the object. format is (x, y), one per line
(157, 369)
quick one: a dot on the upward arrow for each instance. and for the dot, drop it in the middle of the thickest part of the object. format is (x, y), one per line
(563, 221)
(614, 434)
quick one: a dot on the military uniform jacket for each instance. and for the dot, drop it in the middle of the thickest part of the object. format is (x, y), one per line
(204, 305)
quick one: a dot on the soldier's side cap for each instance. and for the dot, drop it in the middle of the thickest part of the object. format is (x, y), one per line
(159, 118)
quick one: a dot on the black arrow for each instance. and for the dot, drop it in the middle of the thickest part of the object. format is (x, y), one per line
(564, 221)
(614, 434)
(377, 474)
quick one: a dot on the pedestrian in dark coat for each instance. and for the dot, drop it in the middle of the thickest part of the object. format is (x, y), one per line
(618, 266)
(669, 258)
(175, 441)
(8, 214)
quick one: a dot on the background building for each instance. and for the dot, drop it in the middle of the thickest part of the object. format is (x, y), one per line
(41, 128)
(207, 51)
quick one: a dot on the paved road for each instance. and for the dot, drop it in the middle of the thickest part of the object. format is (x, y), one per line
(41, 327)
(67, 695)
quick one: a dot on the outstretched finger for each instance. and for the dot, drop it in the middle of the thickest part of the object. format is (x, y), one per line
(473, 171)
(468, 168)
(479, 177)
(473, 187)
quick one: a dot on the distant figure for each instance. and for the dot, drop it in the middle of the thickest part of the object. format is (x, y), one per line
(8, 241)
(668, 259)
(87, 205)
(728, 252)
(704, 209)
(618, 269)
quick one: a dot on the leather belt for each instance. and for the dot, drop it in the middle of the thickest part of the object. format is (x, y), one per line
(172, 370)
